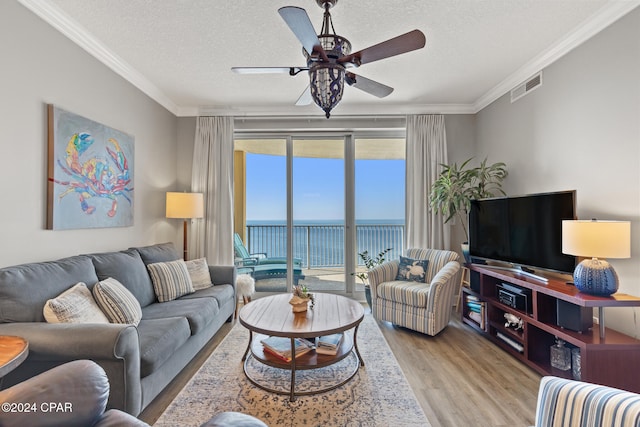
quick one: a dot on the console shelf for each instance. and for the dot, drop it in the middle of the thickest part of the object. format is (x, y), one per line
(607, 357)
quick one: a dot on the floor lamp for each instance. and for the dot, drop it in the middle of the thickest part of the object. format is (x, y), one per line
(185, 206)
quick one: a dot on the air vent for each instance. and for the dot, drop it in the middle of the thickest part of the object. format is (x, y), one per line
(526, 87)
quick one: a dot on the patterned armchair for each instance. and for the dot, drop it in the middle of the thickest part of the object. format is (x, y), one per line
(423, 307)
(563, 402)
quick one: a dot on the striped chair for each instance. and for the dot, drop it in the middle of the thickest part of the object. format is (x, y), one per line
(563, 402)
(423, 307)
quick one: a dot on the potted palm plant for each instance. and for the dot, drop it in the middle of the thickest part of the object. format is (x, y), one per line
(456, 186)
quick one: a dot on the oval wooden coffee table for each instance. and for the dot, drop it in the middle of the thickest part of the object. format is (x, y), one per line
(272, 316)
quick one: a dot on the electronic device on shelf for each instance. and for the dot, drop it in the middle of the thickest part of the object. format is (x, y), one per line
(515, 297)
(525, 231)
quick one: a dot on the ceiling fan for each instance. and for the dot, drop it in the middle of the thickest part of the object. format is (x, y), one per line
(329, 57)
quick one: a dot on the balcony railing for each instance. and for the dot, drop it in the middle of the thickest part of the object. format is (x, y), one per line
(323, 245)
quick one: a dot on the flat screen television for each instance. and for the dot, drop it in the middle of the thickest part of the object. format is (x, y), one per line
(524, 230)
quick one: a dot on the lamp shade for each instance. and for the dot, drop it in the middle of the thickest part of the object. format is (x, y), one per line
(593, 240)
(185, 205)
(597, 239)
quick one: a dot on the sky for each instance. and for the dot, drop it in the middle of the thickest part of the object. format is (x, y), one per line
(318, 188)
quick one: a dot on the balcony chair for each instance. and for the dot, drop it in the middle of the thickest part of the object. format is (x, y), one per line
(423, 306)
(260, 266)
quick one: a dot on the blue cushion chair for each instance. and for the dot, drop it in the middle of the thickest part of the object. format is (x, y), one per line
(423, 306)
(563, 402)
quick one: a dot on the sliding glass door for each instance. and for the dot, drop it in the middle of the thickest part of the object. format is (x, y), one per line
(260, 213)
(379, 195)
(306, 206)
(318, 195)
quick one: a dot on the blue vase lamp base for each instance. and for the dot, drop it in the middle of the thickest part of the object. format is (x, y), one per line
(596, 277)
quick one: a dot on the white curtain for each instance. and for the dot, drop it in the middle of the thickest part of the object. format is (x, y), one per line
(426, 151)
(212, 175)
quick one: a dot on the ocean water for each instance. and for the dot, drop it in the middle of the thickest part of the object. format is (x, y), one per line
(320, 243)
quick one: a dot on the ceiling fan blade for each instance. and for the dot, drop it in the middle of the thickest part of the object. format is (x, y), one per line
(368, 85)
(292, 71)
(402, 44)
(299, 22)
(305, 98)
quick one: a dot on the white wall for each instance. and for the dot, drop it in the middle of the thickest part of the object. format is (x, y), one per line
(581, 130)
(40, 66)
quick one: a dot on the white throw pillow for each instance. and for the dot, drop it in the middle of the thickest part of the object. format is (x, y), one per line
(199, 273)
(117, 302)
(170, 280)
(75, 305)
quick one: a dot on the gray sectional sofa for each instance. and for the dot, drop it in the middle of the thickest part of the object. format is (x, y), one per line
(139, 360)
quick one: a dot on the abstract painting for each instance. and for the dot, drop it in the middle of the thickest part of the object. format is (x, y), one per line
(90, 176)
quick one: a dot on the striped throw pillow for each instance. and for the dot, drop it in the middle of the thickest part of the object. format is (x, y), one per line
(170, 280)
(199, 273)
(117, 302)
(75, 305)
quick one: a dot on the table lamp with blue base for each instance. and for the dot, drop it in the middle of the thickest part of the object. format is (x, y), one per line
(596, 239)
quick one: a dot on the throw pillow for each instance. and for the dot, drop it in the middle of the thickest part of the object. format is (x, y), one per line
(170, 280)
(75, 305)
(199, 273)
(412, 270)
(117, 302)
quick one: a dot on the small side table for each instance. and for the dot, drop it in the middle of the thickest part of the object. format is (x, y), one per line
(13, 351)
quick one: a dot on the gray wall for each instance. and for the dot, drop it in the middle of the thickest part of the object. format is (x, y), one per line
(41, 66)
(461, 145)
(581, 130)
(186, 137)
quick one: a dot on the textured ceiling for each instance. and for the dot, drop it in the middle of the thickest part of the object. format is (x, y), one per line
(181, 51)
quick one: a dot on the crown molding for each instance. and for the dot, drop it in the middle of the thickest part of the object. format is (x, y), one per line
(78, 34)
(343, 109)
(600, 20)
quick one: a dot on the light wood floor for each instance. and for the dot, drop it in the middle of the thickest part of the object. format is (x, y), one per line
(458, 377)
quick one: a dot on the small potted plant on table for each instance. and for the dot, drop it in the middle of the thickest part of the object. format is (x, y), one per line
(300, 299)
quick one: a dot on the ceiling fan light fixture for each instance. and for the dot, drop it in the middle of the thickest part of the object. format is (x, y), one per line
(329, 55)
(326, 84)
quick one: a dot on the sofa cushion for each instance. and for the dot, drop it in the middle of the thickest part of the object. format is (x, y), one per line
(161, 252)
(199, 273)
(200, 312)
(412, 269)
(170, 280)
(159, 339)
(117, 303)
(24, 289)
(408, 293)
(75, 305)
(127, 268)
(221, 293)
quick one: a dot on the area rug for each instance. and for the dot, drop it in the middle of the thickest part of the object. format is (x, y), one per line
(378, 395)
